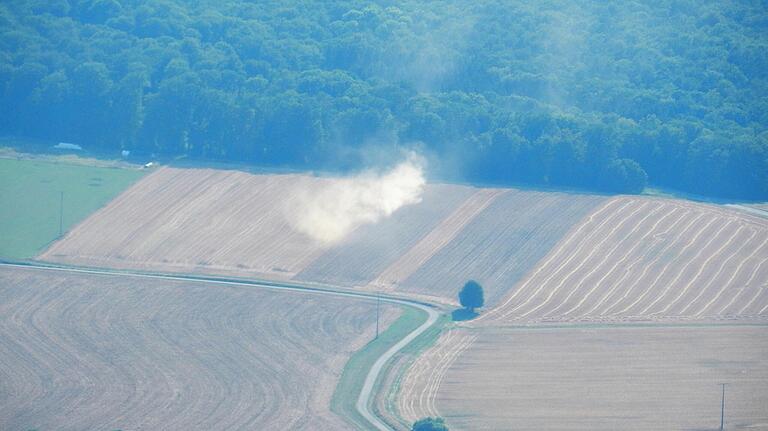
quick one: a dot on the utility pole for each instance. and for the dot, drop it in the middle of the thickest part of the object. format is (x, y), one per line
(722, 409)
(61, 214)
(378, 300)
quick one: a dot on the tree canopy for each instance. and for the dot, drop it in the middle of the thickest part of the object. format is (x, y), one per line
(471, 295)
(429, 424)
(592, 95)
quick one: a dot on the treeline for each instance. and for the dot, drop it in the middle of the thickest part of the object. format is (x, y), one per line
(595, 95)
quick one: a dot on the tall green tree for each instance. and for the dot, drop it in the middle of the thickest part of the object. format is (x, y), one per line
(471, 295)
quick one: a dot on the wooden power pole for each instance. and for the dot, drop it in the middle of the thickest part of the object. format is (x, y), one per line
(722, 408)
(378, 300)
(61, 214)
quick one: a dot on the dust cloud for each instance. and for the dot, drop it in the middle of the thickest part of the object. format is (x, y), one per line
(343, 204)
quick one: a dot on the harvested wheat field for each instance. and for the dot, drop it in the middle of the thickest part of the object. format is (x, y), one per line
(420, 384)
(501, 243)
(370, 249)
(492, 235)
(195, 220)
(641, 259)
(115, 352)
(232, 222)
(602, 378)
(668, 289)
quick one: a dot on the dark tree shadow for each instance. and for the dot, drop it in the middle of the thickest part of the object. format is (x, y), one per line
(463, 314)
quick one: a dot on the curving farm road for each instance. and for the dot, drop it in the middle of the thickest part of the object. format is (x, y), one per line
(364, 399)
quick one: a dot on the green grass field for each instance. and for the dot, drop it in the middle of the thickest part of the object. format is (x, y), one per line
(30, 194)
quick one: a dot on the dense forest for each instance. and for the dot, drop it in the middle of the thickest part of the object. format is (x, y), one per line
(606, 96)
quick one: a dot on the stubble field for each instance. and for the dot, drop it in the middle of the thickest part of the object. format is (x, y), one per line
(629, 322)
(608, 378)
(544, 259)
(114, 352)
(501, 243)
(196, 220)
(232, 222)
(640, 259)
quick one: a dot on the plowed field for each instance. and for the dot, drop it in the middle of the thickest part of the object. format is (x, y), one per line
(88, 352)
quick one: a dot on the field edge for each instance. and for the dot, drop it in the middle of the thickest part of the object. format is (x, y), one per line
(344, 399)
(385, 405)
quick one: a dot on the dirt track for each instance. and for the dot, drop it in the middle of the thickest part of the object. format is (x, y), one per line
(105, 352)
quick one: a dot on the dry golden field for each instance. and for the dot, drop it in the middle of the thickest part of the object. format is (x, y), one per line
(98, 352)
(501, 243)
(195, 220)
(418, 389)
(371, 249)
(629, 322)
(541, 256)
(236, 223)
(601, 378)
(548, 263)
(641, 259)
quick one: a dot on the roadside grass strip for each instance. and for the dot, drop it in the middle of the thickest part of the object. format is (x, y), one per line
(353, 377)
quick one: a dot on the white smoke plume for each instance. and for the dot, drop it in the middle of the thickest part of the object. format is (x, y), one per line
(329, 214)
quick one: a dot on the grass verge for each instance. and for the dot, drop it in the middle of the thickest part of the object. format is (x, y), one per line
(409, 354)
(30, 198)
(354, 373)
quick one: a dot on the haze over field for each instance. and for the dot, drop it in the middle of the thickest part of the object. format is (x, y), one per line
(323, 214)
(389, 230)
(329, 214)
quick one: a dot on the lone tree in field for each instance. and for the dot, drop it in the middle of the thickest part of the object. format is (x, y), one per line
(471, 296)
(429, 424)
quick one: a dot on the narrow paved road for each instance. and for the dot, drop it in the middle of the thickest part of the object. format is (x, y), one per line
(364, 400)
